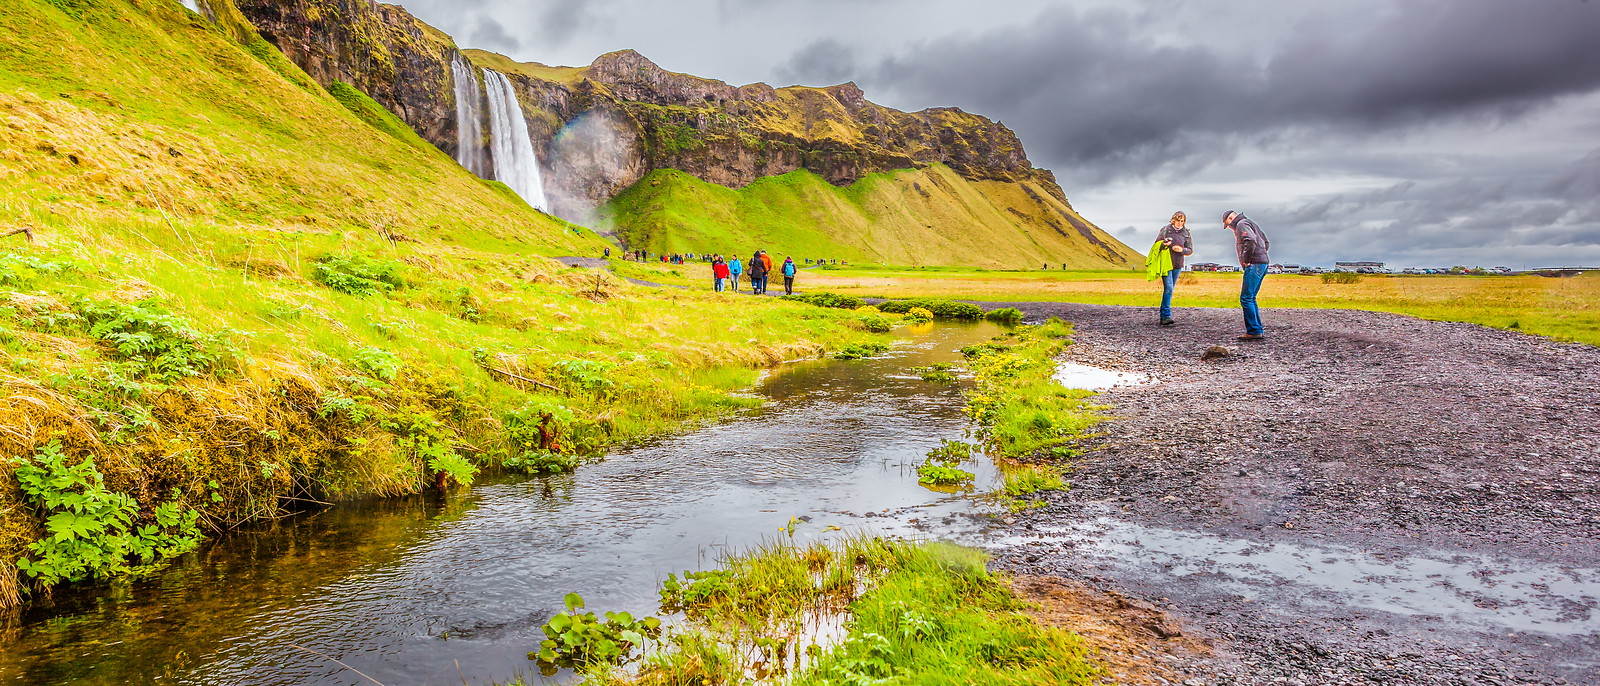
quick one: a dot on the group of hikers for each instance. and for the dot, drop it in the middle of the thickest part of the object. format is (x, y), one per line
(685, 258)
(725, 273)
(1174, 243)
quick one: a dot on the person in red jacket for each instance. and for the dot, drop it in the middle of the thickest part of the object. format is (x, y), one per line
(719, 274)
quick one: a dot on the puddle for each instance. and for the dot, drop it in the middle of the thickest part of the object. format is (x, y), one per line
(1084, 377)
(1477, 591)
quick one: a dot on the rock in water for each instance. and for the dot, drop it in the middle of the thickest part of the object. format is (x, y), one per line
(1215, 352)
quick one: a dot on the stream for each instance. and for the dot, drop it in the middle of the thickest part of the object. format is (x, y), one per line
(431, 590)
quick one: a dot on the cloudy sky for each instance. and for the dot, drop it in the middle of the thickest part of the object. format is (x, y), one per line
(1419, 132)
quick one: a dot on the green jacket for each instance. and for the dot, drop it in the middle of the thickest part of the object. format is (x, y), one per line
(1158, 262)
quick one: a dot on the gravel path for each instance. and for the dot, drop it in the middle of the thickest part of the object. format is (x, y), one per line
(1361, 498)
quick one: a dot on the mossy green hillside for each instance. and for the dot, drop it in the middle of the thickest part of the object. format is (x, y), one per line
(914, 217)
(245, 297)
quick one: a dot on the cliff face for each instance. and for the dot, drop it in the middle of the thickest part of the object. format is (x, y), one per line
(600, 129)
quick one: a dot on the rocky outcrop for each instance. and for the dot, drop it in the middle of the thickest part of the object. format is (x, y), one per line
(601, 128)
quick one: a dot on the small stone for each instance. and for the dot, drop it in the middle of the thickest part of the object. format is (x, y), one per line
(1215, 352)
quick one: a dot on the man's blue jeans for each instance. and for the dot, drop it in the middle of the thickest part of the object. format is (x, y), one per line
(1253, 276)
(1169, 281)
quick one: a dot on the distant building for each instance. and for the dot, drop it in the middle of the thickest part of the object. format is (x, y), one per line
(1362, 267)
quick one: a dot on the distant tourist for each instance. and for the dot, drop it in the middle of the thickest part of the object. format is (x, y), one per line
(788, 275)
(1174, 237)
(608, 253)
(719, 274)
(1251, 243)
(758, 274)
(735, 268)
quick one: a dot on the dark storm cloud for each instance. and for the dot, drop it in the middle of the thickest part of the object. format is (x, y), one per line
(1094, 89)
(827, 61)
(1460, 221)
(491, 35)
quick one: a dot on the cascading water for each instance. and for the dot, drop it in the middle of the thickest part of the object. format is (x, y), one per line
(193, 5)
(469, 118)
(515, 162)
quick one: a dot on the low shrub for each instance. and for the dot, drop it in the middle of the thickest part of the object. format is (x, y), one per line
(940, 309)
(875, 323)
(824, 299)
(358, 275)
(1005, 315)
(1341, 278)
(918, 315)
(951, 452)
(856, 351)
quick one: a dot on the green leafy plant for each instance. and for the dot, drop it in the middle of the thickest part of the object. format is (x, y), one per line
(21, 271)
(542, 462)
(92, 530)
(940, 475)
(919, 315)
(1004, 315)
(583, 641)
(358, 275)
(951, 452)
(377, 362)
(159, 345)
(940, 309)
(875, 323)
(825, 299)
(938, 372)
(856, 351)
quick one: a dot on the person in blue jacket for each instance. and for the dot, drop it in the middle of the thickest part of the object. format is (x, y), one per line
(789, 270)
(735, 267)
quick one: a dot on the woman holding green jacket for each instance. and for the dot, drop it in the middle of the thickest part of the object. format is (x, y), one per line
(1174, 238)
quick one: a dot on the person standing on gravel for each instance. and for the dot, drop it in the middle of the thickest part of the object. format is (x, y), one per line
(1175, 236)
(1251, 244)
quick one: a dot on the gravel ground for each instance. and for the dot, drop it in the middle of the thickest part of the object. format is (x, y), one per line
(1361, 498)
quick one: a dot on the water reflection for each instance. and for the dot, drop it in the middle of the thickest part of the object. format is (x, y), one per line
(405, 589)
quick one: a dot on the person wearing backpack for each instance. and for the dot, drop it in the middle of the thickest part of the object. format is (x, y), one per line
(789, 270)
(1251, 244)
(758, 274)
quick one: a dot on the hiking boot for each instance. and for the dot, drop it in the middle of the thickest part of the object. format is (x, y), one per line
(1168, 322)
(1251, 337)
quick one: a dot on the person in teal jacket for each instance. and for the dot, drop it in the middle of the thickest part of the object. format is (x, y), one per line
(788, 275)
(735, 267)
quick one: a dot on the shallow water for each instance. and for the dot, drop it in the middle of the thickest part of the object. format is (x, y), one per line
(1085, 377)
(431, 590)
(1476, 591)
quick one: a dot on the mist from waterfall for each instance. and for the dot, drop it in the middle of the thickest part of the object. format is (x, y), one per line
(515, 162)
(469, 118)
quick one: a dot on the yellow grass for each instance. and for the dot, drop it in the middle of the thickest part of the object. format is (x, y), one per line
(1562, 308)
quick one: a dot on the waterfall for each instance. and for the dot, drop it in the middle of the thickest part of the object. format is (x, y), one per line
(515, 163)
(469, 117)
(193, 5)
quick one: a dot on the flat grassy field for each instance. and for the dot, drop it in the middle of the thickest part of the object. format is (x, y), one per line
(1565, 309)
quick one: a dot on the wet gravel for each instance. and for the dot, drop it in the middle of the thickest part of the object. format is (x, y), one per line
(1393, 437)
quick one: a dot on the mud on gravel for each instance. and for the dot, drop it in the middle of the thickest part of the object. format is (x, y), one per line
(1361, 498)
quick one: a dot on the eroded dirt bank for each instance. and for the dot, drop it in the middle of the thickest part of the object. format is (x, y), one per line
(1362, 498)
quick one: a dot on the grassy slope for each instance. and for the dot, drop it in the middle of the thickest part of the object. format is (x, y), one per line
(169, 164)
(926, 216)
(1564, 309)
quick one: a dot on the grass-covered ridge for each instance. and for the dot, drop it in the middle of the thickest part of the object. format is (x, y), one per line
(1566, 309)
(923, 216)
(248, 294)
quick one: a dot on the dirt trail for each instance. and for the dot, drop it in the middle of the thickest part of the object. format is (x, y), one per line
(1362, 498)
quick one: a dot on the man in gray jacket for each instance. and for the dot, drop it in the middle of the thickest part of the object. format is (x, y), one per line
(1251, 244)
